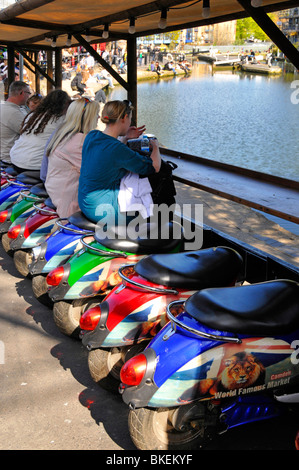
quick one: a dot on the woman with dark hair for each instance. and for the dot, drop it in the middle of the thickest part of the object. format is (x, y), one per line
(27, 152)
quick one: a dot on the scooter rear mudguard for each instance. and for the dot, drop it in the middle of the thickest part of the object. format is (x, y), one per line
(21, 219)
(62, 243)
(19, 212)
(23, 181)
(203, 363)
(9, 195)
(130, 315)
(56, 250)
(94, 269)
(87, 274)
(34, 230)
(137, 309)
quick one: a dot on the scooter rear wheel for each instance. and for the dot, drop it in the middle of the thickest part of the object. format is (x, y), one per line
(22, 259)
(40, 290)
(67, 315)
(105, 364)
(152, 429)
(104, 367)
(6, 244)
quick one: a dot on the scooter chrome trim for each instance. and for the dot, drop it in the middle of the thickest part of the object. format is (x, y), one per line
(29, 197)
(142, 286)
(69, 229)
(42, 210)
(13, 182)
(291, 398)
(114, 254)
(176, 322)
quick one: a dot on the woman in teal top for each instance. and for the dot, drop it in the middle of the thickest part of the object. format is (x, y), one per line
(105, 160)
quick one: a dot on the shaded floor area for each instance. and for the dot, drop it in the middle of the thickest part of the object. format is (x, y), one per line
(243, 223)
(49, 401)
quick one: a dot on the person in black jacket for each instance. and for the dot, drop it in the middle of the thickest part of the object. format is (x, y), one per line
(77, 83)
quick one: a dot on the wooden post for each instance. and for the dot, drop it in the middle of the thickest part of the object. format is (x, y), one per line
(10, 65)
(50, 86)
(37, 74)
(58, 68)
(132, 75)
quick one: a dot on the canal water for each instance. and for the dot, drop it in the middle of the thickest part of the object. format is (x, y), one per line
(247, 120)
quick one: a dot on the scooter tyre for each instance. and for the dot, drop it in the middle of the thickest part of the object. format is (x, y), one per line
(40, 290)
(67, 315)
(22, 259)
(6, 244)
(104, 367)
(150, 429)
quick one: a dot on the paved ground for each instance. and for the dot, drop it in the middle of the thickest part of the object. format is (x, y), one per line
(49, 401)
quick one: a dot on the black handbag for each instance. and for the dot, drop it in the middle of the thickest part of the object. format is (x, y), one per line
(163, 185)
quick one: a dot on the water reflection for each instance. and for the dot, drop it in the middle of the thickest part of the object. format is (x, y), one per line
(230, 116)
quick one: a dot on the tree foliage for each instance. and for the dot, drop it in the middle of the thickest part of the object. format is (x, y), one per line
(247, 27)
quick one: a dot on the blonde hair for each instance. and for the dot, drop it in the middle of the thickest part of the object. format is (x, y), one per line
(115, 110)
(82, 116)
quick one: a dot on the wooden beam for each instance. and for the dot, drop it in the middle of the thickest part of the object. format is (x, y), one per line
(101, 61)
(132, 76)
(36, 66)
(274, 33)
(19, 8)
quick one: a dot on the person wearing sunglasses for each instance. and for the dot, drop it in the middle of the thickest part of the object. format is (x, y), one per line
(106, 160)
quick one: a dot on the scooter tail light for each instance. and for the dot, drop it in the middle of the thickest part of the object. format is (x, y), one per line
(13, 232)
(133, 371)
(54, 277)
(3, 216)
(90, 318)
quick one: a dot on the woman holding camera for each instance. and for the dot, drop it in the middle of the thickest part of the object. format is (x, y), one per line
(106, 160)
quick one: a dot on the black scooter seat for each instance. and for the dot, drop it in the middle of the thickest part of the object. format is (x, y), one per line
(10, 170)
(79, 220)
(156, 239)
(48, 202)
(267, 308)
(39, 190)
(29, 177)
(210, 267)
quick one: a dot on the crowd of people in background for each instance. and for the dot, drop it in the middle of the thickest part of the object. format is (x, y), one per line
(58, 134)
(81, 166)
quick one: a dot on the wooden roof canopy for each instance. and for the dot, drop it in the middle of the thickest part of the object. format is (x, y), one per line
(28, 23)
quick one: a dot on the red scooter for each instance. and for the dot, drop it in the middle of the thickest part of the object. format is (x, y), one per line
(134, 311)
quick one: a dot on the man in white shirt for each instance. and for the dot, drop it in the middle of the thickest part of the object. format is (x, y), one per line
(89, 61)
(11, 117)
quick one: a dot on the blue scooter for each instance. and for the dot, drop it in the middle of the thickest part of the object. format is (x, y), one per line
(230, 358)
(56, 250)
(16, 183)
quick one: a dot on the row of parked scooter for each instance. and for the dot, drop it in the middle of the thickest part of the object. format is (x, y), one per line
(192, 351)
